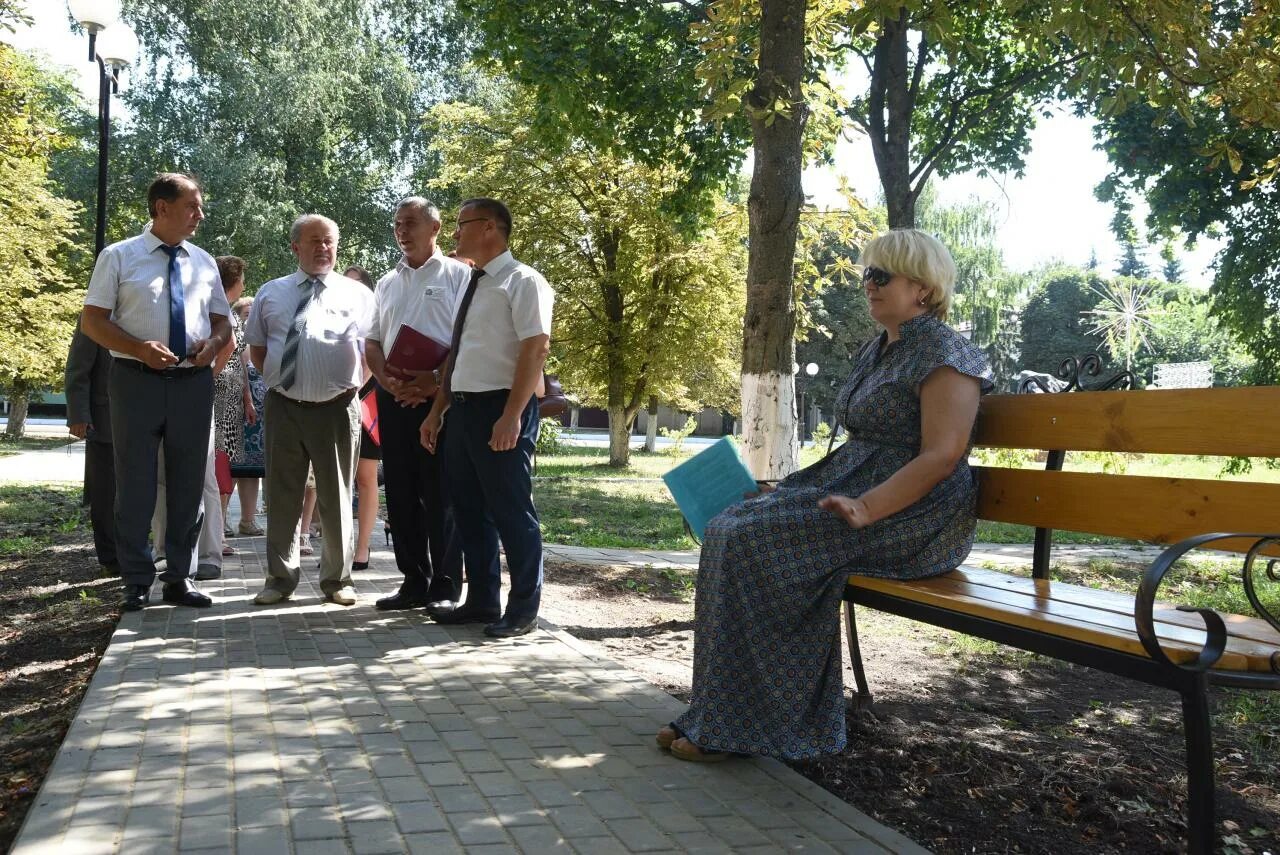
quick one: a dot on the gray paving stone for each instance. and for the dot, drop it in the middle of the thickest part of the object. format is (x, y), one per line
(320, 730)
(413, 817)
(476, 829)
(212, 831)
(315, 823)
(374, 838)
(254, 812)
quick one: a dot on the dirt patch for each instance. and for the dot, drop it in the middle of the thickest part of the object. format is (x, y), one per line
(57, 613)
(975, 747)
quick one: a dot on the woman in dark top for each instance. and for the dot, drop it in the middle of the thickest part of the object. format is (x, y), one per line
(896, 500)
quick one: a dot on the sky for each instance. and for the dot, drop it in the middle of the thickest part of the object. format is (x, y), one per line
(1048, 214)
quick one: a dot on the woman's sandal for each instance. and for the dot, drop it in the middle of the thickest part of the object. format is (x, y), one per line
(667, 735)
(683, 749)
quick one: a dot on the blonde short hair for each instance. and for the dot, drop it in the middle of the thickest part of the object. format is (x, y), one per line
(920, 257)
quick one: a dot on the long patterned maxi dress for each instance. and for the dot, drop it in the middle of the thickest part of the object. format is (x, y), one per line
(766, 665)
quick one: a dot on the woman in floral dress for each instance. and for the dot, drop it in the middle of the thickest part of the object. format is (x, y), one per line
(896, 500)
(232, 404)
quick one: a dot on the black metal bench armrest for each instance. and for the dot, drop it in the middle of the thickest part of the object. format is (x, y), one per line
(1216, 642)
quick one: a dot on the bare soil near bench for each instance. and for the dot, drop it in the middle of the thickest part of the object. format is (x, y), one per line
(974, 747)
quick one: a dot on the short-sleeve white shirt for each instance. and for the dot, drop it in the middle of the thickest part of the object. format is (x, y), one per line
(512, 302)
(331, 350)
(425, 298)
(131, 278)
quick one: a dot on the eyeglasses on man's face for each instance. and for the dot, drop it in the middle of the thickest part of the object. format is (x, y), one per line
(876, 276)
(462, 223)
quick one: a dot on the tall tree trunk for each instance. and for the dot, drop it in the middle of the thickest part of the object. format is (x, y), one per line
(619, 437)
(891, 103)
(19, 403)
(768, 336)
(651, 426)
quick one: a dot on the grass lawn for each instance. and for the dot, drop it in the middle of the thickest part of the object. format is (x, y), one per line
(31, 443)
(32, 514)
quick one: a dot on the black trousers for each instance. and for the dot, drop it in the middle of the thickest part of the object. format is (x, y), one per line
(427, 544)
(492, 495)
(100, 493)
(149, 409)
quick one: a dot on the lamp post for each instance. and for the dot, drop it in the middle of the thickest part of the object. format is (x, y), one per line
(113, 45)
(811, 370)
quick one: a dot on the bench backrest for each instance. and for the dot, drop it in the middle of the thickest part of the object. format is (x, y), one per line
(1229, 422)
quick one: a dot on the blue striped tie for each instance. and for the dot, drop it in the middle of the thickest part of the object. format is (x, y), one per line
(177, 305)
(289, 359)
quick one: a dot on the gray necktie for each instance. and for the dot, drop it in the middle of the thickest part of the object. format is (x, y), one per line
(289, 359)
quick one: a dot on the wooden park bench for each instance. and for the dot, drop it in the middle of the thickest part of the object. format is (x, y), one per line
(1135, 636)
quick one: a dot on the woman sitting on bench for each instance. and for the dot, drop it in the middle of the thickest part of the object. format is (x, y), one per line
(896, 500)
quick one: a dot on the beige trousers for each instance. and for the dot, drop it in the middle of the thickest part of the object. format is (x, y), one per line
(326, 437)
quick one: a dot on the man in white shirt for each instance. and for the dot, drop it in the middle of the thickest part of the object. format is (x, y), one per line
(306, 337)
(156, 302)
(421, 293)
(500, 344)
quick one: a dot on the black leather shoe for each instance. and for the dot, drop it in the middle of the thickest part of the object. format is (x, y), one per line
(465, 614)
(185, 593)
(509, 627)
(400, 600)
(136, 597)
(436, 607)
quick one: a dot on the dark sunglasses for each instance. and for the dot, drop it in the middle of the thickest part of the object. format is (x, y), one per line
(876, 277)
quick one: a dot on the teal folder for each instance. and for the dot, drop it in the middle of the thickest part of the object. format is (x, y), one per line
(710, 481)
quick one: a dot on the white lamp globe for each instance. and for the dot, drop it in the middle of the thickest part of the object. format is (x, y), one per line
(118, 45)
(94, 15)
(811, 369)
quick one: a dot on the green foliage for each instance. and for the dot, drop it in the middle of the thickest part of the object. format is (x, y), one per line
(283, 109)
(622, 78)
(643, 307)
(821, 434)
(1197, 185)
(679, 435)
(38, 301)
(1055, 322)
(549, 440)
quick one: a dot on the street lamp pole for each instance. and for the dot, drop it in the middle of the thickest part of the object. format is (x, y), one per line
(113, 45)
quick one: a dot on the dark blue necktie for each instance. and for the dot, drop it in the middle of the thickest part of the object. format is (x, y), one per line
(177, 306)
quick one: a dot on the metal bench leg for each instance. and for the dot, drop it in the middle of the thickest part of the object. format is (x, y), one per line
(1200, 778)
(862, 697)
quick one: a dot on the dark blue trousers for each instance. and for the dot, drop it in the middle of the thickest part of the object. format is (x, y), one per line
(492, 494)
(148, 409)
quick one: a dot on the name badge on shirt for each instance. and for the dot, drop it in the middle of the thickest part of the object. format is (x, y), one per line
(433, 292)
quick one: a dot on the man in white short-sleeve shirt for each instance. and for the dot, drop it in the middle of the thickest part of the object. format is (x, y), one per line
(421, 294)
(306, 337)
(501, 340)
(156, 302)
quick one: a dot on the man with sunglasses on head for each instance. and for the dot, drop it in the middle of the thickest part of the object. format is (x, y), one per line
(156, 302)
(500, 342)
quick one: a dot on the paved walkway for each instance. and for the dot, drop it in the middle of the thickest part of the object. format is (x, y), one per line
(313, 728)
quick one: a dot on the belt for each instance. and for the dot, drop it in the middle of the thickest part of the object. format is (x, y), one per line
(343, 398)
(463, 397)
(143, 368)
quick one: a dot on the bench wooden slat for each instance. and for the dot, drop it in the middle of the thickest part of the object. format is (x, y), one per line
(1220, 422)
(1058, 599)
(1249, 629)
(1157, 510)
(1054, 617)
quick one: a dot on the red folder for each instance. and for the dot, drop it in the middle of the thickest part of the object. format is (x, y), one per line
(414, 351)
(369, 416)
